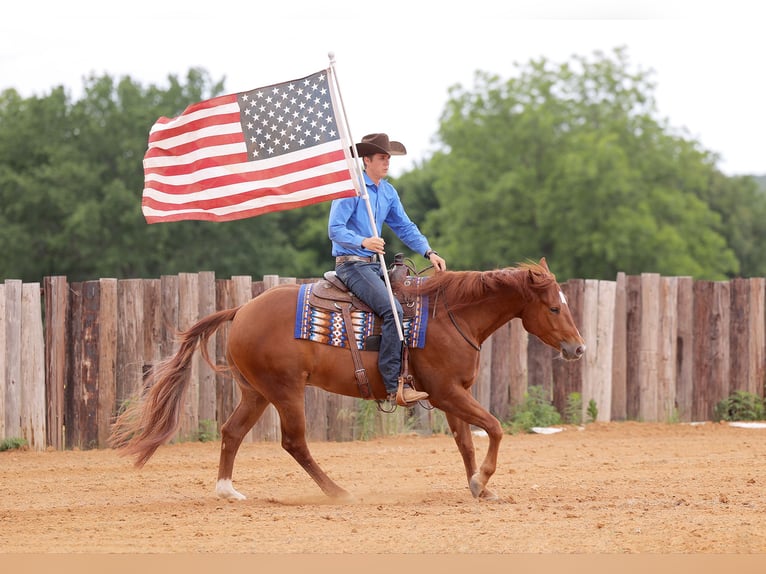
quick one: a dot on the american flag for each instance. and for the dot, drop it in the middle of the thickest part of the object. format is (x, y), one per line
(270, 149)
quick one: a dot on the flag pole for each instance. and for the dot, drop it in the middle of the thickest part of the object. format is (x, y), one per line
(362, 190)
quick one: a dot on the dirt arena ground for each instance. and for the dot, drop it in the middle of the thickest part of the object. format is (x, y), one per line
(605, 488)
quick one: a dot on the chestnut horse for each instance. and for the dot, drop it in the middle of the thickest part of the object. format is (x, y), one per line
(271, 366)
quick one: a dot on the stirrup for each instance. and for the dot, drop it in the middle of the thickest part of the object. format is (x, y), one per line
(419, 395)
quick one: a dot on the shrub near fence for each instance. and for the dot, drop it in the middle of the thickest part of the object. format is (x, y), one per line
(659, 349)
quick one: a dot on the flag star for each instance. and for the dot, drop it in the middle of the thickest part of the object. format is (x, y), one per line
(286, 146)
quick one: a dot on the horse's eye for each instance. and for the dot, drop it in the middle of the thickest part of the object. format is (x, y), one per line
(555, 310)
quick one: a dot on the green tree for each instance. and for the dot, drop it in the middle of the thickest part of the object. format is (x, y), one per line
(570, 162)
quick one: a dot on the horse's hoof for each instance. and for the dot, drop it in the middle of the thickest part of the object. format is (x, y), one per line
(488, 496)
(224, 489)
(476, 487)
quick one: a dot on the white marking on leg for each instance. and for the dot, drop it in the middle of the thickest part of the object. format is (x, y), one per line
(225, 489)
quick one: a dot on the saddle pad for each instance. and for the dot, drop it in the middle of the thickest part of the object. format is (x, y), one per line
(328, 327)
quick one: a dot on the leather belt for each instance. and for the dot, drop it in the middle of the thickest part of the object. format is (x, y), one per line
(346, 258)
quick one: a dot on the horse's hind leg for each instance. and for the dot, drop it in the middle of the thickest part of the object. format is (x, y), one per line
(293, 423)
(246, 414)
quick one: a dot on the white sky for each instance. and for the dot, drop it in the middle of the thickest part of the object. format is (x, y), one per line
(395, 60)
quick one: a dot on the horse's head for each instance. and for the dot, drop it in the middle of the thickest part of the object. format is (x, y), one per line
(547, 315)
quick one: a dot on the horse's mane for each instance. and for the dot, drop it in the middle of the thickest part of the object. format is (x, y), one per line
(458, 286)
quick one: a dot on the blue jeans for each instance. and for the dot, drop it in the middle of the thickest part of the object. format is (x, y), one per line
(365, 280)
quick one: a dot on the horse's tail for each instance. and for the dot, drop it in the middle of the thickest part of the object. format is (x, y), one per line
(154, 417)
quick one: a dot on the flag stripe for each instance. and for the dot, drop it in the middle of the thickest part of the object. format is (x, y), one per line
(244, 154)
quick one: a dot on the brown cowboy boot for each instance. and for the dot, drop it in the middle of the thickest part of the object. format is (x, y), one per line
(407, 396)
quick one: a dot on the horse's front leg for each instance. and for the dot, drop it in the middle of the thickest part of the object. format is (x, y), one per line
(462, 413)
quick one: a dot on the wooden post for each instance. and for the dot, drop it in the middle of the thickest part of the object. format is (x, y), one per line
(633, 346)
(667, 350)
(56, 292)
(131, 343)
(13, 349)
(188, 315)
(106, 383)
(3, 362)
(712, 302)
(685, 349)
(757, 328)
(81, 414)
(747, 335)
(598, 313)
(152, 312)
(33, 406)
(649, 337)
(207, 399)
(619, 351)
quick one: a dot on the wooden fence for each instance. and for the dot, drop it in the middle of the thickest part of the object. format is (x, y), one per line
(659, 349)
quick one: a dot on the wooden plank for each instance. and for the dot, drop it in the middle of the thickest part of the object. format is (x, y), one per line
(712, 302)
(107, 359)
(152, 312)
(685, 348)
(3, 354)
(519, 370)
(589, 330)
(619, 351)
(56, 292)
(757, 330)
(33, 405)
(207, 387)
(667, 350)
(740, 310)
(188, 315)
(169, 315)
(80, 416)
(747, 335)
(649, 343)
(633, 346)
(130, 340)
(500, 388)
(13, 289)
(600, 370)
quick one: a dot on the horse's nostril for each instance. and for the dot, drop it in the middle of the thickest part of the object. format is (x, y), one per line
(580, 351)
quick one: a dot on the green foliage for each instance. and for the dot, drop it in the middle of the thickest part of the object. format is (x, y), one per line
(536, 410)
(573, 411)
(740, 406)
(571, 161)
(13, 443)
(592, 411)
(207, 431)
(565, 160)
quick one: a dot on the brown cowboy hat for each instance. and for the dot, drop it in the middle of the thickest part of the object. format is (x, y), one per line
(379, 143)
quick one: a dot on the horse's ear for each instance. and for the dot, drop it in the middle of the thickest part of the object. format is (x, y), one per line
(544, 264)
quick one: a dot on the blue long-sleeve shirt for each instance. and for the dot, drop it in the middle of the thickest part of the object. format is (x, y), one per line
(349, 222)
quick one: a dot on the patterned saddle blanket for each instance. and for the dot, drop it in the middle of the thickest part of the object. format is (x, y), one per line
(322, 324)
